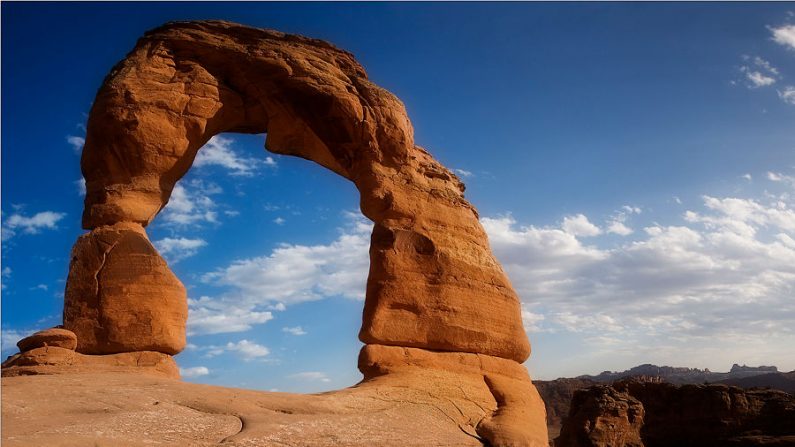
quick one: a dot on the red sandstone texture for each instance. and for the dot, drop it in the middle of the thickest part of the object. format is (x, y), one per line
(438, 305)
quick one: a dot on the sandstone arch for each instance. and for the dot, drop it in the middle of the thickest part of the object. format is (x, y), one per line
(436, 298)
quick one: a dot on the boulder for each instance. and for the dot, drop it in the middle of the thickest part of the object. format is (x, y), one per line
(57, 337)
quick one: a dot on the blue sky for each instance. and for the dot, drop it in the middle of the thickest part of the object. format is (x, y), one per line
(633, 164)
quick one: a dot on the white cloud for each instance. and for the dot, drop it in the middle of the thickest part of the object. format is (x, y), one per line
(784, 35)
(40, 287)
(530, 320)
(463, 173)
(760, 73)
(81, 186)
(619, 228)
(779, 177)
(758, 79)
(218, 151)
(310, 376)
(191, 205)
(289, 274)
(279, 221)
(617, 223)
(725, 271)
(747, 177)
(579, 225)
(10, 337)
(248, 350)
(6, 272)
(176, 249)
(787, 94)
(30, 224)
(297, 330)
(77, 143)
(195, 371)
(218, 316)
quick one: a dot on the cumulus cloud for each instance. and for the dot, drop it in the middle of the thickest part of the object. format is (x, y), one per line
(297, 330)
(77, 143)
(617, 223)
(310, 376)
(195, 371)
(217, 316)
(219, 152)
(177, 249)
(247, 350)
(191, 204)
(579, 225)
(30, 224)
(725, 270)
(784, 35)
(289, 274)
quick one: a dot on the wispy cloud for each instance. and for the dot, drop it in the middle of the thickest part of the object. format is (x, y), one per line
(195, 371)
(16, 222)
(310, 376)
(463, 173)
(245, 349)
(787, 94)
(177, 249)
(297, 330)
(76, 142)
(219, 152)
(191, 204)
(758, 72)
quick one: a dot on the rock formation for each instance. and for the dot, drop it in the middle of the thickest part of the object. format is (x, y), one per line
(661, 414)
(436, 298)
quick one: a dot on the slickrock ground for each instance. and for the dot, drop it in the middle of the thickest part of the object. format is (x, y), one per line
(133, 409)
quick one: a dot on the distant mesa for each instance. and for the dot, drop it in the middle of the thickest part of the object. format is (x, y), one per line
(441, 322)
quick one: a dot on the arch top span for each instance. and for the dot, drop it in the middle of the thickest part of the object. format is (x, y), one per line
(433, 282)
(187, 81)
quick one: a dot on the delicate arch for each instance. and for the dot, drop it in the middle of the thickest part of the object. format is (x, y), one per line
(433, 282)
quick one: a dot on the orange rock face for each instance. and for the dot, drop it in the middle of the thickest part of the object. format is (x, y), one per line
(435, 293)
(121, 296)
(57, 337)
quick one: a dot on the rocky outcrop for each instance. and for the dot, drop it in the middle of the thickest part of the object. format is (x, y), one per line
(686, 415)
(57, 337)
(602, 417)
(121, 296)
(557, 395)
(52, 352)
(438, 305)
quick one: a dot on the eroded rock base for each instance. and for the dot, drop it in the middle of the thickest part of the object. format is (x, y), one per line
(52, 360)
